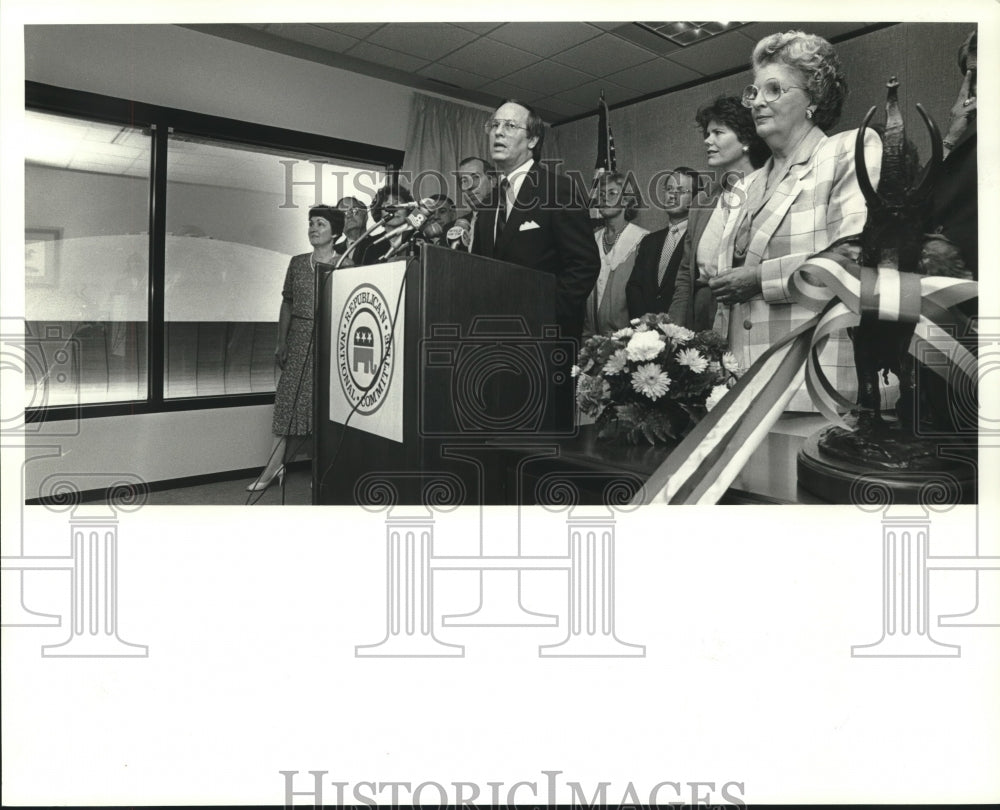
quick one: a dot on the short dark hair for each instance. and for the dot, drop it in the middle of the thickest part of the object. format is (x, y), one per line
(442, 198)
(487, 166)
(331, 215)
(688, 172)
(729, 110)
(536, 126)
(390, 189)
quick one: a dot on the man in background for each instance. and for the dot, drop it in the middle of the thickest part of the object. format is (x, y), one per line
(475, 178)
(653, 283)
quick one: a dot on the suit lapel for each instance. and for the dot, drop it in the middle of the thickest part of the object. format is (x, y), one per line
(525, 205)
(775, 207)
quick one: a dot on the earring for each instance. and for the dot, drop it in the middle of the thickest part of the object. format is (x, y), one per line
(745, 149)
(809, 114)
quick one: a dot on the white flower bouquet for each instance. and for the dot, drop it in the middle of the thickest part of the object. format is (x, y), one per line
(653, 380)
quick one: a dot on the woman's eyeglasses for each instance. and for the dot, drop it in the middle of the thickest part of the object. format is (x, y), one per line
(504, 127)
(770, 91)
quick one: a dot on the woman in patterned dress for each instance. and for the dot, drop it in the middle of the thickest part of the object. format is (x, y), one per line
(293, 400)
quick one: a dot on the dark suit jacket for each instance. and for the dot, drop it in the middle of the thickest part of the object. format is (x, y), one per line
(694, 301)
(642, 292)
(561, 244)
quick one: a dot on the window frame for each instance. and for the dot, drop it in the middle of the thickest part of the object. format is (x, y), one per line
(160, 122)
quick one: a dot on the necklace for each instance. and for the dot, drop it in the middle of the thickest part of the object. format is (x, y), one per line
(610, 243)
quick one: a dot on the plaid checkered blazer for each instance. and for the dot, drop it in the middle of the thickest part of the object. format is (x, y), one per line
(817, 202)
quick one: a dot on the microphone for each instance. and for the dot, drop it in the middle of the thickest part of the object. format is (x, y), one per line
(460, 234)
(414, 221)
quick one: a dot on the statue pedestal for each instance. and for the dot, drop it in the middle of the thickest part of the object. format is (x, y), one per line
(936, 478)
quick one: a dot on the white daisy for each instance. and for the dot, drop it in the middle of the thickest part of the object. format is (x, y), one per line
(729, 362)
(676, 333)
(623, 333)
(692, 359)
(616, 363)
(651, 380)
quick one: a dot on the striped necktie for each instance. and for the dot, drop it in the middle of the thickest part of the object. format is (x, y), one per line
(669, 245)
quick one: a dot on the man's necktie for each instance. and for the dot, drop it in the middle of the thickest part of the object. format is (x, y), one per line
(501, 209)
(472, 230)
(669, 245)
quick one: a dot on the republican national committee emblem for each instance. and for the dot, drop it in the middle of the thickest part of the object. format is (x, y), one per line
(364, 342)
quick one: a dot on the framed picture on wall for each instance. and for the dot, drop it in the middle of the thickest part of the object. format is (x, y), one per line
(41, 256)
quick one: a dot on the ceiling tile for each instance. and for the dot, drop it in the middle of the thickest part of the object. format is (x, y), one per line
(489, 58)
(450, 75)
(503, 89)
(658, 74)
(647, 39)
(478, 27)
(426, 40)
(314, 35)
(560, 108)
(606, 54)
(356, 30)
(544, 38)
(384, 56)
(547, 78)
(608, 26)
(715, 55)
(828, 30)
(587, 96)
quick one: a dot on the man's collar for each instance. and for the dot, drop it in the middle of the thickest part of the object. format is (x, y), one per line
(524, 168)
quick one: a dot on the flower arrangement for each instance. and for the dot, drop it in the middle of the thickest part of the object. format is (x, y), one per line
(653, 379)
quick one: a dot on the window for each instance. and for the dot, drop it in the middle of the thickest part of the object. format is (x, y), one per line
(235, 214)
(86, 252)
(156, 246)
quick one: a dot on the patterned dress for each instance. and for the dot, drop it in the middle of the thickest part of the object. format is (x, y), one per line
(293, 401)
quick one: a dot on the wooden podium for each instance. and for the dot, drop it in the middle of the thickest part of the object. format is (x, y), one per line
(430, 373)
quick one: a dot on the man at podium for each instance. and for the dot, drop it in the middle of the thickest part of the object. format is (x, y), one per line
(536, 218)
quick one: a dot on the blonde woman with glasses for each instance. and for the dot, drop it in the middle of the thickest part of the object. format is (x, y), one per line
(804, 197)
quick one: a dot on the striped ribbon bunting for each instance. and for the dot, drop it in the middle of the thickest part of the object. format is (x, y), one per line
(701, 468)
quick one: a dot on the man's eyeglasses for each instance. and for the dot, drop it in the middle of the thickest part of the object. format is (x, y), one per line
(353, 210)
(504, 127)
(770, 91)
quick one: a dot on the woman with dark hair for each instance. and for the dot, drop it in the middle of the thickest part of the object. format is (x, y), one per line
(805, 197)
(293, 399)
(390, 199)
(617, 240)
(733, 150)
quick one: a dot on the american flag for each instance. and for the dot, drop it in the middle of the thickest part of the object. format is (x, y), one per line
(605, 141)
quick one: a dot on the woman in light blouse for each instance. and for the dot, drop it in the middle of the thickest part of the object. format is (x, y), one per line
(805, 197)
(617, 242)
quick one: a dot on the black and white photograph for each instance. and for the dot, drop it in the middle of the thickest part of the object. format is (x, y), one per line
(406, 406)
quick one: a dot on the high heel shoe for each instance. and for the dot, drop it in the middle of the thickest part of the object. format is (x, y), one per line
(263, 483)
